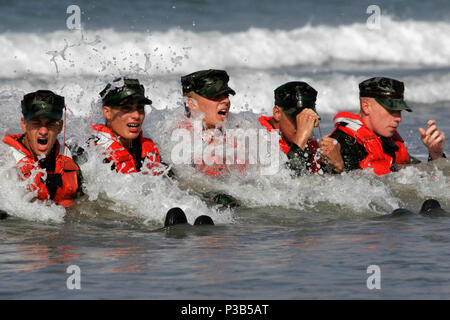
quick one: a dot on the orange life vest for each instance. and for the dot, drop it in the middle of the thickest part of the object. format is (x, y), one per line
(376, 159)
(311, 144)
(120, 157)
(64, 166)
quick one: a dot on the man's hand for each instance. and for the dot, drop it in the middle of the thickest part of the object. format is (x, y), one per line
(331, 150)
(433, 139)
(306, 121)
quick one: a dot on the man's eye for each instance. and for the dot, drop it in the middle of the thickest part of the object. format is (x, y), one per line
(126, 109)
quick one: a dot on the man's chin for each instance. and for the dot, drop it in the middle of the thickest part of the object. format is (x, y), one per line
(133, 135)
(388, 134)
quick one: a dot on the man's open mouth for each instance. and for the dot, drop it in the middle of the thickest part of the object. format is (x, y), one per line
(42, 144)
(133, 127)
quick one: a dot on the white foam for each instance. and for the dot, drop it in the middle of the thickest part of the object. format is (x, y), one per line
(140, 195)
(109, 52)
(16, 200)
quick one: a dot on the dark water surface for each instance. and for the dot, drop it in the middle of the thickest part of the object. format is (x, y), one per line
(267, 254)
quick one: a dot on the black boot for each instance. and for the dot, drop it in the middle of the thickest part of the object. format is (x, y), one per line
(203, 220)
(400, 212)
(3, 215)
(175, 216)
(432, 207)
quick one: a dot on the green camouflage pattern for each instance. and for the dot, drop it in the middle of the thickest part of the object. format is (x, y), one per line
(207, 83)
(42, 104)
(295, 96)
(124, 91)
(386, 91)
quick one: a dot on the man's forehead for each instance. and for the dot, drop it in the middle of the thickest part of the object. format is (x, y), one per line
(131, 106)
(127, 106)
(219, 97)
(216, 98)
(379, 106)
(43, 120)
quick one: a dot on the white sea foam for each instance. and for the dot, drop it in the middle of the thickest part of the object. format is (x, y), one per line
(178, 51)
(140, 195)
(254, 92)
(332, 59)
(16, 200)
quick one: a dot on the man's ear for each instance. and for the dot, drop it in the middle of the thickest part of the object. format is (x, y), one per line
(23, 125)
(277, 113)
(365, 106)
(107, 113)
(61, 125)
(192, 103)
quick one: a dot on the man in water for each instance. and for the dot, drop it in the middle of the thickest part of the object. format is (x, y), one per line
(207, 94)
(294, 115)
(37, 148)
(370, 139)
(121, 136)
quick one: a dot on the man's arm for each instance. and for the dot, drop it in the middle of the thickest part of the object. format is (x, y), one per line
(351, 151)
(299, 160)
(331, 149)
(434, 140)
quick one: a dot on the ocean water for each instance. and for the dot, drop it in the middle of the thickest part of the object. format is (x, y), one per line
(311, 237)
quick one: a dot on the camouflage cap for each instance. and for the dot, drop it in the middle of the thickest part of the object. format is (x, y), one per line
(123, 91)
(207, 83)
(295, 96)
(42, 104)
(387, 92)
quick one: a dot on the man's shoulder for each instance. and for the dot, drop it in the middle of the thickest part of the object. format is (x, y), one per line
(11, 139)
(342, 137)
(19, 152)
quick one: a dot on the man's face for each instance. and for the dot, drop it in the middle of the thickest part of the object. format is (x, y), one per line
(125, 121)
(288, 127)
(40, 135)
(379, 119)
(215, 109)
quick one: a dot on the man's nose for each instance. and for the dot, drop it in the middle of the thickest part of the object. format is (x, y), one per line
(135, 113)
(225, 100)
(43, 129)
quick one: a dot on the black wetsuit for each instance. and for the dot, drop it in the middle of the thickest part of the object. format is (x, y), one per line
(300, 161)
